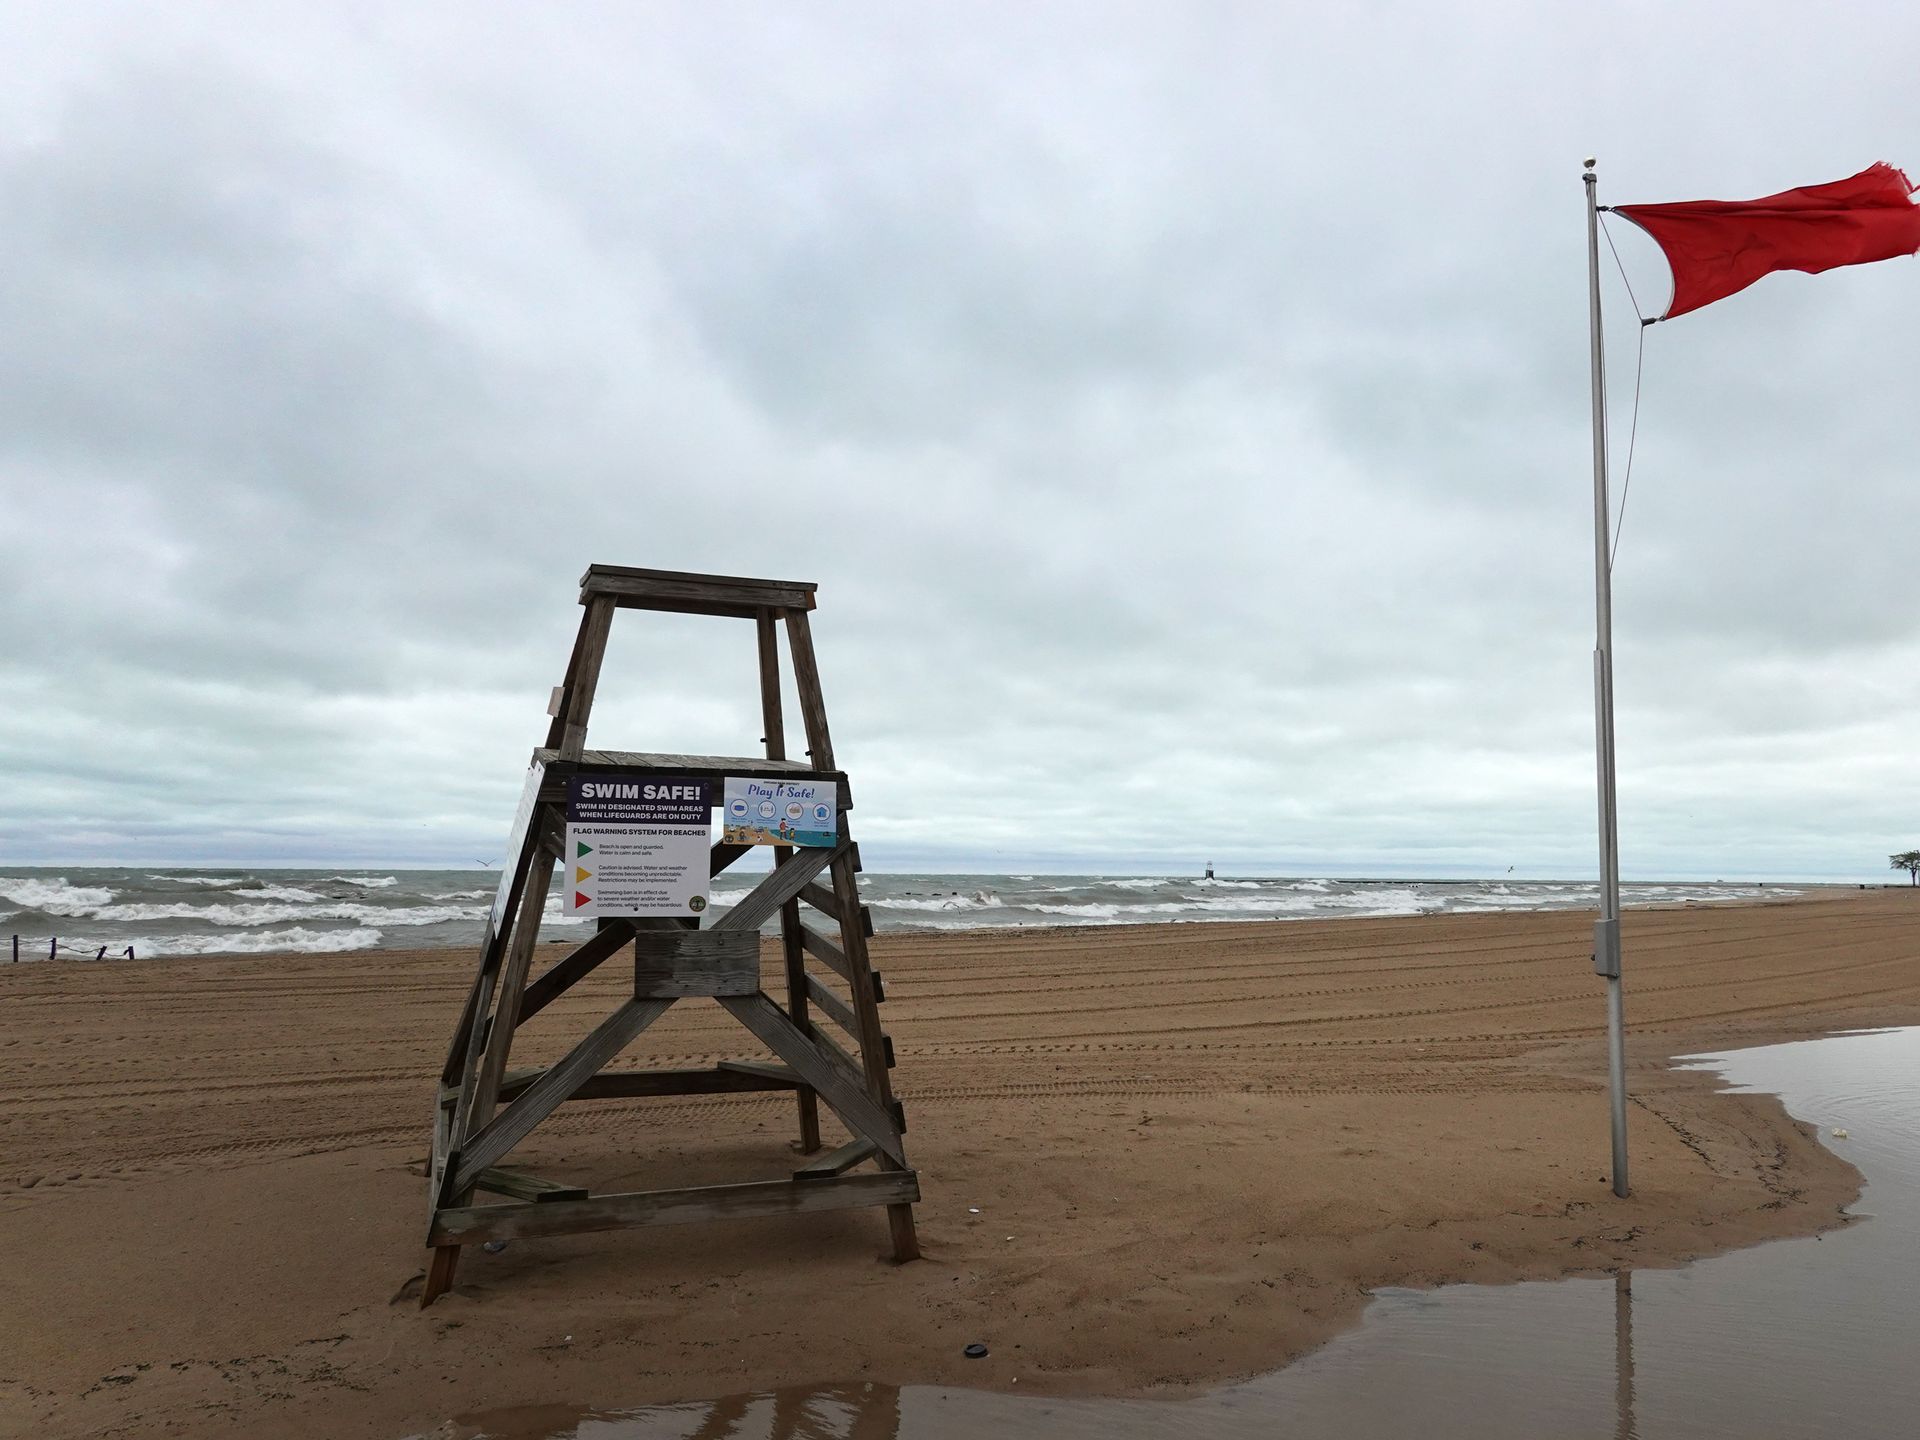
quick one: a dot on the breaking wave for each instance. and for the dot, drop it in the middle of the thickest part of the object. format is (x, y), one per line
(260, 942)
(980, 900)
(242, 916)
(54, 897)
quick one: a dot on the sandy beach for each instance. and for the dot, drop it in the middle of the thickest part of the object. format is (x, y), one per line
(1193, 1149)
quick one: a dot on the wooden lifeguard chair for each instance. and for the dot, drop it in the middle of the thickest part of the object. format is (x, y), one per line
(483, 1110)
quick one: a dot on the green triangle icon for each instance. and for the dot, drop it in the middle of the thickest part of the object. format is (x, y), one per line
(584, 849)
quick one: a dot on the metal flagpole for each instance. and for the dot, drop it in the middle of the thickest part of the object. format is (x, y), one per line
(1606, 931)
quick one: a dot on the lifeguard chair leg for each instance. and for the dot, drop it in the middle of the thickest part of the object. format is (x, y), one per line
(446, 1259)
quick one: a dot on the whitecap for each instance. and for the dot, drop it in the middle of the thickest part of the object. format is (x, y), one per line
(54, 897)
(262, 942)
(1091, 911)
(1261, 904)
(370, 882)
(200, 879)
(247, 915)
(555, 909)
(978, 901)
(1379, 902)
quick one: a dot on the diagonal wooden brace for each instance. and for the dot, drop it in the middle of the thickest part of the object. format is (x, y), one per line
(782, 884)
(539, 1100)
(862, 1114)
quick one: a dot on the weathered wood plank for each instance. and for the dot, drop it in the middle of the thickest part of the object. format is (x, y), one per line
(852, 1104)
(553, 830)
(514, 1081)
(806, 680)
(823, 949)
(586, 679)
(821, 898)
(440, 1269)
(779, 1074)
(671, 964)
(793, 954)
(522, 1186)
(644, 572)
(833, 1007)
(522, 844)
(513, 985)
(575, 966)
(684, 764)
(557, 727)
(837, 1162)
(697, 594)
(794, 960)
(470, 1224)
(783, 882)
(556, 1083)
(442, 1127)
(692, 607)
(872, 1046)
(837, 1052)
(772, 723)
(874, 1051)
(723, 1079)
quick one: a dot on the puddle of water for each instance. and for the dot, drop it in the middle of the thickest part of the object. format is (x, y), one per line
(1795, 1338)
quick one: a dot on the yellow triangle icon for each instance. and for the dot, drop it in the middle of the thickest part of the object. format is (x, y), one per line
(580, 875)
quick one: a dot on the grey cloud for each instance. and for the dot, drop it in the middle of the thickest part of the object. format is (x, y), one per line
(1185, 418)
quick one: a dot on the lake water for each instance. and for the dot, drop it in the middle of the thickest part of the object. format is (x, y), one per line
(1793, 1339)
(75, 913)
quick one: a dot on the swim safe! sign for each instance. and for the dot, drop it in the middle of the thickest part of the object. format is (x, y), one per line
(636, 846)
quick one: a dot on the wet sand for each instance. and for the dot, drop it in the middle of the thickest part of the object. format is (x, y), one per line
(1194, 1149)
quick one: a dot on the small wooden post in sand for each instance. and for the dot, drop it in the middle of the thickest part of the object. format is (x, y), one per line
(483, 1110)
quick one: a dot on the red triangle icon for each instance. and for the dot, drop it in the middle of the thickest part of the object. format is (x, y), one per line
(581, 898)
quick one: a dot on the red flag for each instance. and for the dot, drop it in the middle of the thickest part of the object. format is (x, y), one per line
(1715, 247)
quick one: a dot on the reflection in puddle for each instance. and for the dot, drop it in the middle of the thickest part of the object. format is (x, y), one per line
(1795, 1338)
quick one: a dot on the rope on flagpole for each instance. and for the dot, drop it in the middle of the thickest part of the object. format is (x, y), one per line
(1633, 433)
(1607, 231)
(1639, 362)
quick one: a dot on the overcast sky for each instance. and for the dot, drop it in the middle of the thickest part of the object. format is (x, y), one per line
(1183, 410)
